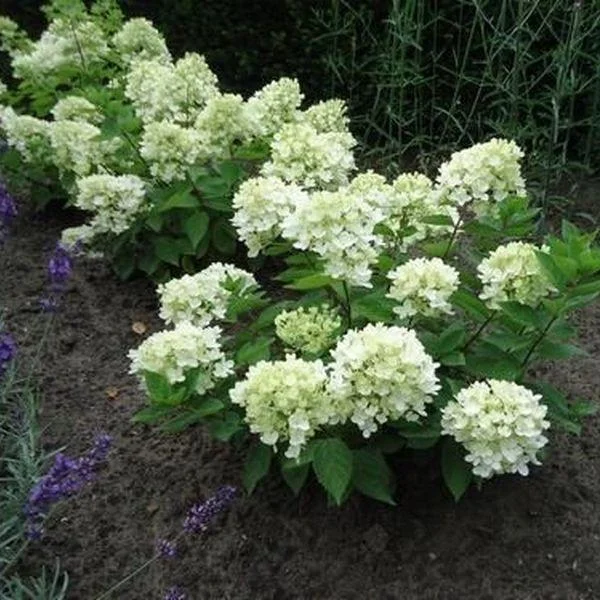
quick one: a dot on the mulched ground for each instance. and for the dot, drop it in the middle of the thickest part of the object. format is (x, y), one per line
(534, 538)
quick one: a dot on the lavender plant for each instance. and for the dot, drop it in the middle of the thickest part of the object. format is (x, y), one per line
(414, 311)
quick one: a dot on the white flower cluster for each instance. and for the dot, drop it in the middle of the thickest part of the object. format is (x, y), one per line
(116, 201)
(483, 174)
(176, 353)
(308, 330)
(374, 190)
(423, 286)
(139, 40)
(204, 296)
(501, 425)
(76, 108)
(273, 106)
(28, 135)
(512, 272)
(64, 44)
(174, 92)
(77, 238)
(221, 124)
(302, 155)
(285, 401)
(261, 204)
(382, 373)
(78, 146)
(414, 200)
(328, 115)
(170, 150)
(339, 226)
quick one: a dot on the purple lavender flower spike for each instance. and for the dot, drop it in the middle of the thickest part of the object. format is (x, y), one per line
(201, 514)
(174, 593)
(66, 477)
(166, 548)
(8, 210)
(8, 350)
(60, 266)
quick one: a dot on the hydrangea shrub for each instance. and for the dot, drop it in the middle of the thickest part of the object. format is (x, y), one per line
(410, 315)
(152, 148)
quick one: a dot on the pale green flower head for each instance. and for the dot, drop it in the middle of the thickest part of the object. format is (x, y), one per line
(309, 330)
(261, 204)
(78, 147)
(204, 296)
(302, 155)
(28, 135)
(273, 106)
(501, 425)
(115, 200)
(512, 272)
(76, 108)
(139, 40)
(423, 286)
(285, 401)
(170, 150)
(339, 227)
(382, 373)
(183, 351)
(221, 124)
(327, 116)
(484, 175)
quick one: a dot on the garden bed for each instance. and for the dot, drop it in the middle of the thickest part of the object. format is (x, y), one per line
(519, 538)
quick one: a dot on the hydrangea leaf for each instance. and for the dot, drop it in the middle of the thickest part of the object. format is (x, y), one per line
(371, 475)
(257, 466)
(333, 465)
(455, 470)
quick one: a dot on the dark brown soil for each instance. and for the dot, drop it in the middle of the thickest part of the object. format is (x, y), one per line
(534, 538)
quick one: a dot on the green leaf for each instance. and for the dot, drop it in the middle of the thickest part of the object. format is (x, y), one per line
(230, 171)
(372, 476)
(471, 304)
(295, 475)
(453, 359)
(311, 282)
(225, 427)
(158, 386)
(332, 464)
(196, 226)
(152, 414)
(167, 250)
(149, 263)
(254, 351)
(553, 350)
(502, 366)
(525, 315)
(124, 264)
(224, 237)
(568, 267)
(456, 471)
(388, 442)
(444, 220)
(191, 417)
(180, 199)
(374, 307)
(551, 269)
(451, 338)
(257, 465)
(586, 289)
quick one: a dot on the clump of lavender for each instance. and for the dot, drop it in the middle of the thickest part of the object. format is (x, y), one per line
(174, 593)
(166, 548)
(66, 477)
(201, 514)
(8, 211)
(60, 267)
(8, 350)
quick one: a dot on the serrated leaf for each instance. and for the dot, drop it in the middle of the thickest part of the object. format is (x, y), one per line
(152, 414)
(495, 367)
(471, 304)
(226, 427)
(525, 315)
(451, 338)
(196, 227)
(167, 250)
(456, 471)
(441, 220)
(257, 465)
(191, 417)
(181, 199)
(372, 476)
(332, 464)
(224, 237)
(551, 269)
(553, 350)
(453, 359)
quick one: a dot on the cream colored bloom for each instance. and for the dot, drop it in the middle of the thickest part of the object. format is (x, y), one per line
(501, 425)
(423, 286)
(512, 272)
(308, 330)
(139, 40)
(184, 351)
(76, 108)
(380, 374)
(204, 296)
(285, 401)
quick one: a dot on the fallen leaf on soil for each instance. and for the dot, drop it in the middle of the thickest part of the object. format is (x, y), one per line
(139, 328)
(112, 392)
